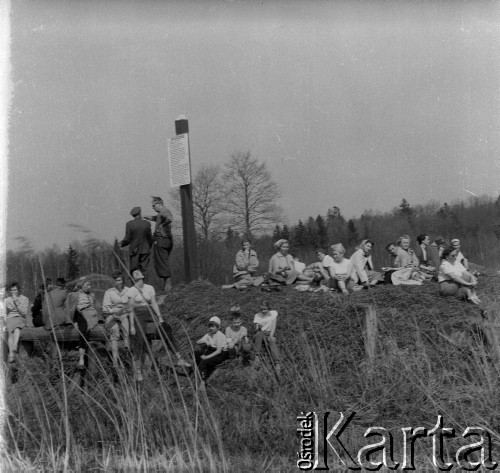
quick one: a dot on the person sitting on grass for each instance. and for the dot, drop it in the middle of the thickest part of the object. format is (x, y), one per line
(265, 324)
(363, 265)
(454, 283)
(434, 252)
(323, 267)
(299, 265)
(422, 253)
(342, 271)
(237, 337)
(281, 266)
(244, 269)
(210, 349)
(16, 307)
(455, 244)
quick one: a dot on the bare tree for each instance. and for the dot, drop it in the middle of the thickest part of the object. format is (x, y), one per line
(250, 195)
(208, 198)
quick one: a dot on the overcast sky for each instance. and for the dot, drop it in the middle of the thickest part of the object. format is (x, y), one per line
(356, 104)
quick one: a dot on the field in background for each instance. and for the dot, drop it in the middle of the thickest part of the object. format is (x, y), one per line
(434, 357)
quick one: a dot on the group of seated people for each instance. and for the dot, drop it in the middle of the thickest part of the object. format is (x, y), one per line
(434, 261)
(126, 311)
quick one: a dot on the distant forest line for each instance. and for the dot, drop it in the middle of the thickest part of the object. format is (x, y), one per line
(476, 222)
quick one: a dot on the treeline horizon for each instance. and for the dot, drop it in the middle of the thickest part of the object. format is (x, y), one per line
(476, 222)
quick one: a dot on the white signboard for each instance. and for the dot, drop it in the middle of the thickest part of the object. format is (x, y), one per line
(178, 160)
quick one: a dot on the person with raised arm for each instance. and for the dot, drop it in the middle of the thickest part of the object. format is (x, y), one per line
(163, 241)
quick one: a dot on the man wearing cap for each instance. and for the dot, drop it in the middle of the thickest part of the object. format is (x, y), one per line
(139, 238)
(163, 242)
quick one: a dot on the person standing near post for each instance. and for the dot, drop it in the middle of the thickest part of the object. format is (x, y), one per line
(163, 242)
(139, 238)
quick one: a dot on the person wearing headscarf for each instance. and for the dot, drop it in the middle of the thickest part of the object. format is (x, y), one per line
(363, 265)
(282, 268)
(139, 239)
(163, 241)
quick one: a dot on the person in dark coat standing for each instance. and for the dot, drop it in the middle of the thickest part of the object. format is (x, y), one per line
(163, 241)
(139, 239)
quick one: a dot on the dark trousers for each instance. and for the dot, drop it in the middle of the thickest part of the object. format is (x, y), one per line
(140, 261)
(207, 367)
(262, 339)
(83, 339)
(139, 342)
(242, 349)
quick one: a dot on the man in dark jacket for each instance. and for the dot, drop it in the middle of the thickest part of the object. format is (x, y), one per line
(140, 239)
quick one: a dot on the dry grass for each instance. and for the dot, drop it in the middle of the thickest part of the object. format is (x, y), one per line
(434, 356)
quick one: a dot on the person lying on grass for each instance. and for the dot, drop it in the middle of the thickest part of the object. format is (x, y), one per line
(455, 282)
(210, 349)
(237, 338)
(265, 324)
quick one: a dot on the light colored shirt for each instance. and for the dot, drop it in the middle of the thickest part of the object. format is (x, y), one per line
(404, 258)
(299, 266)
(446, 270)
(18, 307)
(217, 340)
(361, 264)
(236, 335)
(344, 268)
(327, 262)
(113, 298)
(267, 321)
(279, 262)
(143, 296)
(85, 301)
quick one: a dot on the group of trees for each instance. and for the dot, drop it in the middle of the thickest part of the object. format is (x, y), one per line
(240, 199)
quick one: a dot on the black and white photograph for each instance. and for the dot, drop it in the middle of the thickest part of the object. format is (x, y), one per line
(249, 235)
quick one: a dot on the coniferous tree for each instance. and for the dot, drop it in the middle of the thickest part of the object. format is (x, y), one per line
(300, 235)
(117, 254)
(352, 233)
(72, 264)
(285, 233)
(405, 209)
(336, 225)
(322, 235)
(312, 233)
(276, 233)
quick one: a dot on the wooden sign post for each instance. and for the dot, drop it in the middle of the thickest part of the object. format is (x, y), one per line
(180, 175)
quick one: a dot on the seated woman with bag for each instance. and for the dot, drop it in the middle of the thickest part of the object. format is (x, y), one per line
(282, 268)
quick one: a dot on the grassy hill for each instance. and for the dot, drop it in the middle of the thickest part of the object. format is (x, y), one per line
(434, 356)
